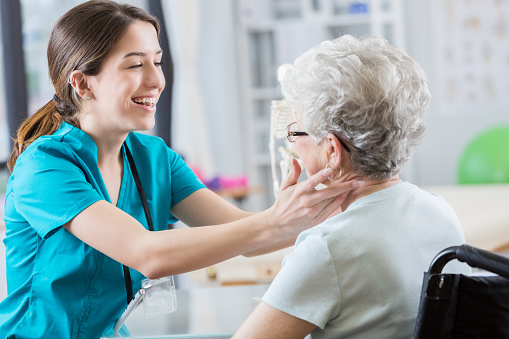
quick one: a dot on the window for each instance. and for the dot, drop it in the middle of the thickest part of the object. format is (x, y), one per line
(4, 127)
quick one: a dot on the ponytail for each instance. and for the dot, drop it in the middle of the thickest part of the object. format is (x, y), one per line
(44, 122)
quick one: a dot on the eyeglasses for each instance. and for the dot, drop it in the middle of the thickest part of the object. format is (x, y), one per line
(292, 134)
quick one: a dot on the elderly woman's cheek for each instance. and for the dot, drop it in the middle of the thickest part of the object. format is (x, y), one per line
(297, 148)
(300, 149)
(308, 155)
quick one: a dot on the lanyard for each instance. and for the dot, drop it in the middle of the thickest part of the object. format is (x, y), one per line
(127, 274)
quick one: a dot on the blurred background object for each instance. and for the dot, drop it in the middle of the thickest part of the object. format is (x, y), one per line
(486, 158)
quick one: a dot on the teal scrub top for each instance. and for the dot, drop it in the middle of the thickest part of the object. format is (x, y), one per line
(58, 286)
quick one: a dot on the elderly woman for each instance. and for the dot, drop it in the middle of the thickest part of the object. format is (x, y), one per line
(358, 274)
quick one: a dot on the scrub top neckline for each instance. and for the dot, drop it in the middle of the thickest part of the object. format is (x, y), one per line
(68, 128)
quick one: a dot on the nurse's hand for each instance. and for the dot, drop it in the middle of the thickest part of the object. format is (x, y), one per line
(300, 206)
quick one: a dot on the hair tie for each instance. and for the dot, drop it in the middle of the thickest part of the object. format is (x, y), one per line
(57, 99)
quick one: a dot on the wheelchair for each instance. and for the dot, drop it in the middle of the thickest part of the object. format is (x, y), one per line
(457, 306)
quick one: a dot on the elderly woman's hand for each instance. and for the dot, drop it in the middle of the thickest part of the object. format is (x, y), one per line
(300, 205)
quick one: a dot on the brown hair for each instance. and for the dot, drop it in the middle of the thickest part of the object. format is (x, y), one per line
(80, 40)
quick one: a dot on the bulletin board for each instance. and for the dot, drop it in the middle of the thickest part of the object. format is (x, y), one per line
(471, 55)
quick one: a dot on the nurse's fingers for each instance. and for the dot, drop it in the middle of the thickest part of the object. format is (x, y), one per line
(293, 176)
(327, 194)
(330, 207)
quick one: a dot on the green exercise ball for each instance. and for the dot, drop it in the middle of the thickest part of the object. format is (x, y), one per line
(486, 158)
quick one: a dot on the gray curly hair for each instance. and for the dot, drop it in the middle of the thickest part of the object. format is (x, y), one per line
(367, 92)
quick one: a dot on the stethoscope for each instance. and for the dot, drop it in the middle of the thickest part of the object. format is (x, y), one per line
(127, 274)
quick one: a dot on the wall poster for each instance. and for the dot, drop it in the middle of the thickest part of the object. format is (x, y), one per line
(471, 55)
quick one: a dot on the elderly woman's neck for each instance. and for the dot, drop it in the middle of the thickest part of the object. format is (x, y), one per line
(370, 186)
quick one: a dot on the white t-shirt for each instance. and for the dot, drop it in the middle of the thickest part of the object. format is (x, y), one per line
(359, 274)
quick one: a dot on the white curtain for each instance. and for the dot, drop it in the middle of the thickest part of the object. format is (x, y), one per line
(190, 135)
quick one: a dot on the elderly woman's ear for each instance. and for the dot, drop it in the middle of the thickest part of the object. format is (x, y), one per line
(334, 150)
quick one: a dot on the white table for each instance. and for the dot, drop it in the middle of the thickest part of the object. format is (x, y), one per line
(483, 211)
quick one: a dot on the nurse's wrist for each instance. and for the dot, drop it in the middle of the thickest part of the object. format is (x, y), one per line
(274, 228)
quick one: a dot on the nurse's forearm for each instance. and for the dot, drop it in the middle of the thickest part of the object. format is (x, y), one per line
(272, 247)
(183, 250)
(157, 254)
(205, 208)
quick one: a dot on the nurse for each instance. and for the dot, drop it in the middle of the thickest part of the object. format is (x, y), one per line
(86, 191)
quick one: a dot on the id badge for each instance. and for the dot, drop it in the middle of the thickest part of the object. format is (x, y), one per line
(160, 296)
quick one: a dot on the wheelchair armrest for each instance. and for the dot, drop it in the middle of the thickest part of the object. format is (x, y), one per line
(474, 257)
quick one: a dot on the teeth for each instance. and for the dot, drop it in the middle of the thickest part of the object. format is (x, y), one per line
(145, 101)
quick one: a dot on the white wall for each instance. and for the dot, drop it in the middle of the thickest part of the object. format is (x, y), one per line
(435, 162)
(207, 120)
(219, 85)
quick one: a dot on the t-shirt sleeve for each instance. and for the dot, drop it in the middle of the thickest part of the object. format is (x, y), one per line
(50, 187)
(183, 180)
(307, 287)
